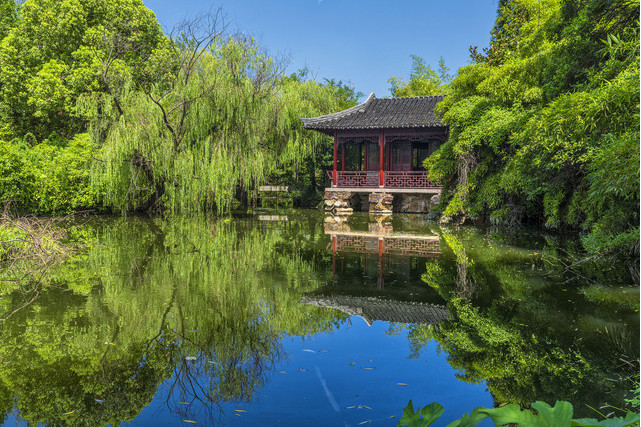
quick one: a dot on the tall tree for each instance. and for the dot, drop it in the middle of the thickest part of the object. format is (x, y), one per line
(214, 117)
(423, 81)
(55, 53)
(545, 125)
(8, 16)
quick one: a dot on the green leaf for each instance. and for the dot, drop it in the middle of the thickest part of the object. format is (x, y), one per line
(629, 420)
(559, 415)
(409, 418)
(470, 420)
(511, 414)
(430, 414)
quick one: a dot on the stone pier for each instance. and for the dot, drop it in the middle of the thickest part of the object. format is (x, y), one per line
(338, 202)
(380, 202)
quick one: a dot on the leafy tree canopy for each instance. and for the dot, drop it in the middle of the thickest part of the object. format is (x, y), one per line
(424, 81)
(59, 50)
(544, 126)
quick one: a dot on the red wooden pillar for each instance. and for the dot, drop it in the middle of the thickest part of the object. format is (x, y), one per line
(381, 159)
(360, 156)
(335, 159)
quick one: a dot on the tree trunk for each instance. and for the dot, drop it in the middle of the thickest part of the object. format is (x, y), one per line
(159, 184)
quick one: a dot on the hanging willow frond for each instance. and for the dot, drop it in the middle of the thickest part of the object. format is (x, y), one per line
(215, 116)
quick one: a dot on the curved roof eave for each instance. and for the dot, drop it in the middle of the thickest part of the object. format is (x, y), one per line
(381, 113)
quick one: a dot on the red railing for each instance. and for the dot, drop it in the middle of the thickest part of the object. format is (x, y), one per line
(391, 179)
(358, 179)
(408, 179)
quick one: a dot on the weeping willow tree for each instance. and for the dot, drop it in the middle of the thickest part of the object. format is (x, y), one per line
(212, 117)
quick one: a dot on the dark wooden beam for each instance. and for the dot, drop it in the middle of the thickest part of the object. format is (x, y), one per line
(335, 159)
(366, 154)
(381, 158)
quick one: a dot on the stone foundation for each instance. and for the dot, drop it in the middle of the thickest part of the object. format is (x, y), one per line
(338, 202)
(416, 203)
(380, 202)
(345, 202)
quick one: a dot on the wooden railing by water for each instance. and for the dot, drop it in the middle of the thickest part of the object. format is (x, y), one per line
(391, 179)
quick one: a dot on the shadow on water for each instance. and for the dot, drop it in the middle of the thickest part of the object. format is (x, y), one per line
(190, 318)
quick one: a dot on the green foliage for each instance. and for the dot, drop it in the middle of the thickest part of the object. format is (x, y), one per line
(544, 126)
(511, 16)
(423, 81)
(423, 417)
(8, 16)
(63, 184)
(516, 315)
(344, 92)
(11, 241)
(309, 154)
(634, 401)
(187, 122)
(17, 177)
(57, 51)
(49, 177)
(541, 414)
(222, 122)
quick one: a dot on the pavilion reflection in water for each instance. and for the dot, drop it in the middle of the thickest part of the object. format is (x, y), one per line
(380, 247)
(371, 309)
(393, 260)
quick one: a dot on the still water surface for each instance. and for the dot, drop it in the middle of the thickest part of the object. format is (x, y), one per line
(294, 319)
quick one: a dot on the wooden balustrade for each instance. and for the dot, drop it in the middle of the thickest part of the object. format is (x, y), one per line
(392, 179)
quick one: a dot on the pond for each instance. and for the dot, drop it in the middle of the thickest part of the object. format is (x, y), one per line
(292, 318)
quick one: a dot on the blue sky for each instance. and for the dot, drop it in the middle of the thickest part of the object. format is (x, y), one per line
(361, 41)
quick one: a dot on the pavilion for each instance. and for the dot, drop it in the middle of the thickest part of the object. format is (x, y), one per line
(380, 145)
(400, 131)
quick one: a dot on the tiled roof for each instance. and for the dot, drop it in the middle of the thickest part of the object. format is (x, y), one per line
(383, 113)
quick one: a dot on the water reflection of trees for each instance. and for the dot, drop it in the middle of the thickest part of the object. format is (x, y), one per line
(192, 311)
(522, 322)
(197, 302)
